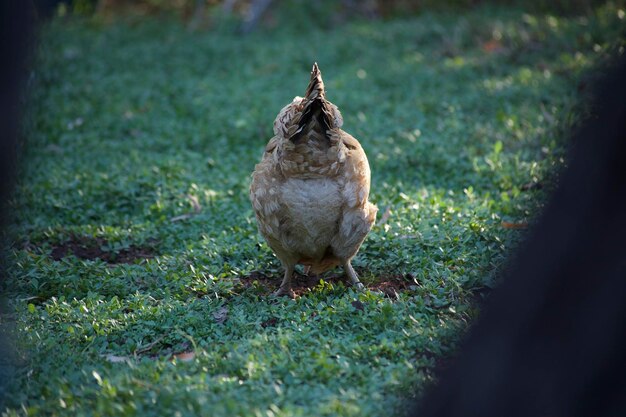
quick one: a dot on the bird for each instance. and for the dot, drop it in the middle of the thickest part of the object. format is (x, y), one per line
(310, 192)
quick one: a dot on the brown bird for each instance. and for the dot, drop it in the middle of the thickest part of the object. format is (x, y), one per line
(310, 191)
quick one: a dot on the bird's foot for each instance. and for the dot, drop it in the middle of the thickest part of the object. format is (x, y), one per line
(284, 292)
(354, 278)
(359, 286)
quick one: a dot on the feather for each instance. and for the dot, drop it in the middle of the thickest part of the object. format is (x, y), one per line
(316, 113)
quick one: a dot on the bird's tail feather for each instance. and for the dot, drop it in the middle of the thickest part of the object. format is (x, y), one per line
(315, 89)
(316, 113)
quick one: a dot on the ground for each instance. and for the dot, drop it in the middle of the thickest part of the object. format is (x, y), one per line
(138, 283)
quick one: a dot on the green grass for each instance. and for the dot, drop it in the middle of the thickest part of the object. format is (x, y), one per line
(129, 123)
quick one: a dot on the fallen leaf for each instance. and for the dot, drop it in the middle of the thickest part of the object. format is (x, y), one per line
(515, 226)
(185, 356)
(492, 46)
(221, 315)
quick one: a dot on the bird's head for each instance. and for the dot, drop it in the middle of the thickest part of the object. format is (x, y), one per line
(312, 111)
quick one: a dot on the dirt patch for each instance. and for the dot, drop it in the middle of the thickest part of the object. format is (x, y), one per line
(271, 322)
(392, 285)
(389, 285)
(300, 284)
(90, 248)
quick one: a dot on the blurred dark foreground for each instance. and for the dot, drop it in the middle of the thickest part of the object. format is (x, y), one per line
(552, 338)
(16, 30)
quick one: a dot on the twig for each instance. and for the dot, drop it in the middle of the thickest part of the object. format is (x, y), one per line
(149, 346)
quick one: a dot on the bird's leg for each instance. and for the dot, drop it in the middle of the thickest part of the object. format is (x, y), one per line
(354, 278)
(285, 286)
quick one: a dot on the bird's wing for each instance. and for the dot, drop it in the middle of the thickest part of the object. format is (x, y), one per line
(358, 214)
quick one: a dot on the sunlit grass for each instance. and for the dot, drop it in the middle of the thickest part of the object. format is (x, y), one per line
(141, 137)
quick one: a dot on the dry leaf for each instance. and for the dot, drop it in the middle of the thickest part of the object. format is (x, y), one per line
(221, 315)
(492, 46)
(185, 356)
(515, 226)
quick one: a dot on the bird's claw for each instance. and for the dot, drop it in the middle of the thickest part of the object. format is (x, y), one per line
(284, 292)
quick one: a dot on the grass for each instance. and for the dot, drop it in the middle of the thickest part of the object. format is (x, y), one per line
(137, 281)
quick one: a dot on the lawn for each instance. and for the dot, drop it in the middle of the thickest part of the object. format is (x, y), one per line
(138, 283)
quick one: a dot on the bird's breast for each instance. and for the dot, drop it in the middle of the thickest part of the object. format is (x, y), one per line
(312, 197)
(313, 208)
